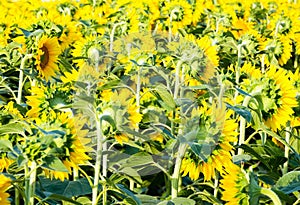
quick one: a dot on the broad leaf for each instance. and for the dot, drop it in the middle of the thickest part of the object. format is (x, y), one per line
(242, 111)
(54, 163)
(167, 100)
(65, 188)
(12, 128)
(289, 182)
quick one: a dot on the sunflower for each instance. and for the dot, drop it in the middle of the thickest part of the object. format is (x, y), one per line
(5, 183)
(218, 120)
(278, 50)
(179, 13)
(70, 145)
(276, 92)
(234, 184)
(46, 99)
(200, 55)
(47, 56)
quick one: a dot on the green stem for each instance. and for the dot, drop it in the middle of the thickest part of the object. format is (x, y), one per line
(21, 76)
(216, 184)
(176, 173)
(75, 174)
(237, 70)
(296, 61)
(263, 63)
(98, 161)
(243, 125)
(17, 196)
(27, 187)
(286, 149)
(30, 180)
(170, 26)
(271, 195)
(111, 39)
(177, 79)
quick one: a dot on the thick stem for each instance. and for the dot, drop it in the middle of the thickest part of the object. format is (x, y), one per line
(271, 195)
(243, 126)
(32, 181)
(170, 27)
(27, 186)
(216, 185)
(75, 174)
(237, 70)
(111, 39)
(98, 161)
(21, 77)
(286, 149)
(176, 173)
(17, 196)
(177, 79)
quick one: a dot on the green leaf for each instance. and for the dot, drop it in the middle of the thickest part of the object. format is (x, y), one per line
(178, 201)
(139, 159)
(167, 100)
(289, 182)
(5, 144)
(65, 188)
(61, 198)
(237, 159)
(129, 193)
(12, 128)
(147, 199)
(241, 110)
(54, 163)
(277, 137)
(25, 32)
(242, 92)
(203, 151)
(248, 149)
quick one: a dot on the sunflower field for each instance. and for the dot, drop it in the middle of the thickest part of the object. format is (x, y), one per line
(177, 102)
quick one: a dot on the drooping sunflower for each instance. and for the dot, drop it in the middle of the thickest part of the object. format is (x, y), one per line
(233, 184)
(275, 90)
(179, 13)
(278, 50)
(47, 56)
(69, 146)
(5, 183)
(46, 99)
(200, 55)
(220, 130)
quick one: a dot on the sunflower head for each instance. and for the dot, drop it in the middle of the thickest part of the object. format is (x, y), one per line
(212, 152)
(234, 185)
(57, 139)
(48, 51)
(5, 183)
(275, 92)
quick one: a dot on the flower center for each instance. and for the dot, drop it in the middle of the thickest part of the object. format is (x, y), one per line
(44, 57)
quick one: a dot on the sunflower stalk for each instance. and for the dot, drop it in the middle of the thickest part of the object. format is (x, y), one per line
(176, 173)
(286, 149)
(170, 25)
(271, 195)
(30, 180)
(21, 76)
(97, 167)
(243, 126)
(111, 37)
(238, 69)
